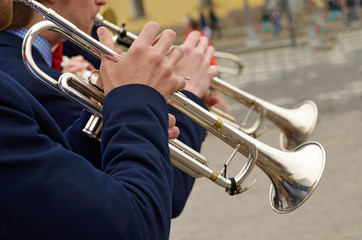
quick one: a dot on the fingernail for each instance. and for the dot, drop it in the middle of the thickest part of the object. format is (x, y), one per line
(100, 33)
(170, 132)
(214, 67)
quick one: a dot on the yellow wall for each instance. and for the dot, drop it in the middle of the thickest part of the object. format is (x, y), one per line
(224, 6)
(168, 13)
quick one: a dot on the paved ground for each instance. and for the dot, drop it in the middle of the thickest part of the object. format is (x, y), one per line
(286, 76)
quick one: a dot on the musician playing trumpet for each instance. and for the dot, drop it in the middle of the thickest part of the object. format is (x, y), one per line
(66, 112)
(51, 192)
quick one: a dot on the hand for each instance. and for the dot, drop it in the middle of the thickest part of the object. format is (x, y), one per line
(210, 98)
(149, 61)
(77, 65)
(173, 131)
(196, 64)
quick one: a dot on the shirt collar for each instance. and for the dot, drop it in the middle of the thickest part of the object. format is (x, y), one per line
(40, 44)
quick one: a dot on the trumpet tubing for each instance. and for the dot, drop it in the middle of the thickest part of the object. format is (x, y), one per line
(294, 175)
(229, 57)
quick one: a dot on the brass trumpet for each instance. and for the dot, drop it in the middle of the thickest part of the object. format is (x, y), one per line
(232, 58)
(295, 124)
(294, 175)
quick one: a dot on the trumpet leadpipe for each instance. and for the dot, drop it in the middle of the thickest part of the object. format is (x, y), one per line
(121, 31)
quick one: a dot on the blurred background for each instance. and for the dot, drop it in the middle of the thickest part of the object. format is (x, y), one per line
(290, 50)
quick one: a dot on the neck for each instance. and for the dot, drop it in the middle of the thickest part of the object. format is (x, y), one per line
(52, 37)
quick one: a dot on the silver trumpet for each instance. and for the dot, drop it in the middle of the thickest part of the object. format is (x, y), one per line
(125, 38)
(295, 124)
(294, 175)
(232, 58)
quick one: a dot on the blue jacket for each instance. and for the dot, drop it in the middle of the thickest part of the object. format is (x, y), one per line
(62, 110)
(66, 112)
(49, 192)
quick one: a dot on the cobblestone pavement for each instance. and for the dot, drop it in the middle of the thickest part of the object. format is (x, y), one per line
(284, 77)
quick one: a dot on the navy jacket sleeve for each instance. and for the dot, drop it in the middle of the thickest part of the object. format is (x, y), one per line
(49, 192)
(81, 143)
(192, 135)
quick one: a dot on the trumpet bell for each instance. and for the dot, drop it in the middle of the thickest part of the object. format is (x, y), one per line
(296, 178)
(296, 124)
(300, 126)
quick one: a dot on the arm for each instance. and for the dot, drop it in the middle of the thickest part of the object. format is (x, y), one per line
(62, 195)
(81, 143)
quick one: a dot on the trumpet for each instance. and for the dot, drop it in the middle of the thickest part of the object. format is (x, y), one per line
(125, 38)
(232, 58)
(296, 124)
(294, 175)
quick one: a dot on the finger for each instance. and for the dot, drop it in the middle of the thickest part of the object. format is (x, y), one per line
(213, 71)
(171, 120)
(156, 39)
(164, 43)
(175, 55)
(192, 39)
(213, 101)
(106, 39)
(148, 33)
(90, 66)
(75, 68)
(77, 58)
(209, 53)
(173, 132)
(181, 83)
(203, 43)
(209, 98)
(99, 82)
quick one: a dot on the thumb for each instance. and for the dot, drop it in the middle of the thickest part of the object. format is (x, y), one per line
(106, 39)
